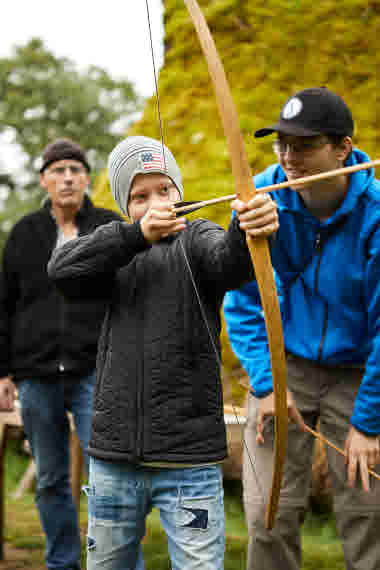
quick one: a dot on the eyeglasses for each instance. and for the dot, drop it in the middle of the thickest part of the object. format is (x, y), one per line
(60, 170)
(299, 147)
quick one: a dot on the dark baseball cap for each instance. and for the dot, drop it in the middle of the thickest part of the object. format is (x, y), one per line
(313, 112)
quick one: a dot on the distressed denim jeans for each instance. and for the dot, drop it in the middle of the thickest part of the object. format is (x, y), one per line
(190, 501)
(43, 409)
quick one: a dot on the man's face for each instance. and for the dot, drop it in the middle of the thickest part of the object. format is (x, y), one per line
(148, 189)
(65, 181)
(305, 156)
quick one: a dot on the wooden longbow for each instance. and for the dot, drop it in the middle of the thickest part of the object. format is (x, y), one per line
(258, 248)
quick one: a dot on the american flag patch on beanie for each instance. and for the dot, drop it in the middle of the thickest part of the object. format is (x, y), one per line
(152, 160)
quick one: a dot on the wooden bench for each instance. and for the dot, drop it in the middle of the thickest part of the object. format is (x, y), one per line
(13, 419)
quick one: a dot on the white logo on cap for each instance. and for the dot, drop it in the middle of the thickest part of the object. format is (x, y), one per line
(292, 108)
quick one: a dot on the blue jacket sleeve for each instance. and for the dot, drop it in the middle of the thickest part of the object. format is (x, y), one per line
(366, 414)
(247, 334)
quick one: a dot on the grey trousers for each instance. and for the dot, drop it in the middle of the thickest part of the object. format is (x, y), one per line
(321, 393)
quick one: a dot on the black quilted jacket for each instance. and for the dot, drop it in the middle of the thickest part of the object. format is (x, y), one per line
(158, 394)
(40, 335)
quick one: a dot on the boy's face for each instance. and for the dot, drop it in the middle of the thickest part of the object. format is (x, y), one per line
(148, 189)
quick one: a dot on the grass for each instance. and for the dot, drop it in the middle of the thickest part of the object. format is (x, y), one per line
(25, 541)
(321, 546)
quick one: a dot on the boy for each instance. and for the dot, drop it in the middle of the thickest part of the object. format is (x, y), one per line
(158, 433)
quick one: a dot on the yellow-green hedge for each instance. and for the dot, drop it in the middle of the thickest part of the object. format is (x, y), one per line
(270, 49)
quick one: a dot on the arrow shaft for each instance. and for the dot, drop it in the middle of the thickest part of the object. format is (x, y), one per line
(273, 187)
(324, 439)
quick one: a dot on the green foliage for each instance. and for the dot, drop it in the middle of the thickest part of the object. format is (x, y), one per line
(14, 207)
(16, 461)
(43, 97)
(270, 49)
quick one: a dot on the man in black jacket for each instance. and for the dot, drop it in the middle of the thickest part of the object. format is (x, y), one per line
(158, 433)
(47, 347)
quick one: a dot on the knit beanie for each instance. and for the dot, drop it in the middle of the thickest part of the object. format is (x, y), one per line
(62, 149)
(139, 155)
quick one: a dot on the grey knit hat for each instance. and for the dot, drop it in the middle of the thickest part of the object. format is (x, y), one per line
(139, 155)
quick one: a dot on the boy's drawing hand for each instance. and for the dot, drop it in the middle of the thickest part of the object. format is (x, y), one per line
(160, 221)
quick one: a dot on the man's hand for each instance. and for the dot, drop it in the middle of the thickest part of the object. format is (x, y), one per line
(160, 221)
(7, 394)
(266, 409)
(258, 217)
(361, 452)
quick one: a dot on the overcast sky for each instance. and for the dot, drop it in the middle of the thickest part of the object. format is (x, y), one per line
(113, 35)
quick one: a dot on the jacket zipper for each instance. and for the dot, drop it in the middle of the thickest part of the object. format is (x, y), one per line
(140, 390)
(324, 330)
(61, 365)
(318, 246)
(140, 422)
(62, 323)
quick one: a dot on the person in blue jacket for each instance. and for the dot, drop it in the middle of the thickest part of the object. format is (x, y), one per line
(326, 255)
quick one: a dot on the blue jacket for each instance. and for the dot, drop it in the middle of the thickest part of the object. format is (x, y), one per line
(328, 275)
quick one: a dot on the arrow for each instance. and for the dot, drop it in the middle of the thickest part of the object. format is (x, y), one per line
(192, 206)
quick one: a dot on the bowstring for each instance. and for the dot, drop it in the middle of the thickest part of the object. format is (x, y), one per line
(197, 294)
(155, 82)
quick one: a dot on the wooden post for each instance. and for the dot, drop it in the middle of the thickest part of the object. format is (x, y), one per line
(7, 419)
(3, 436)
(76, 468)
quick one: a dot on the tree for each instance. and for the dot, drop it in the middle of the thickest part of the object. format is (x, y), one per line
(43, 97)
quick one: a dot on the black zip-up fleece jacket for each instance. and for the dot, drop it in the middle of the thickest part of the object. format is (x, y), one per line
(41, 335)
(158, 395)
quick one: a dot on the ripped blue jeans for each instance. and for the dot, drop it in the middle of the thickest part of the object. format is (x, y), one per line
(190, 501)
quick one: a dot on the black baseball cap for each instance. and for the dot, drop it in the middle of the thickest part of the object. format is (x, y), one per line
(313, 112)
